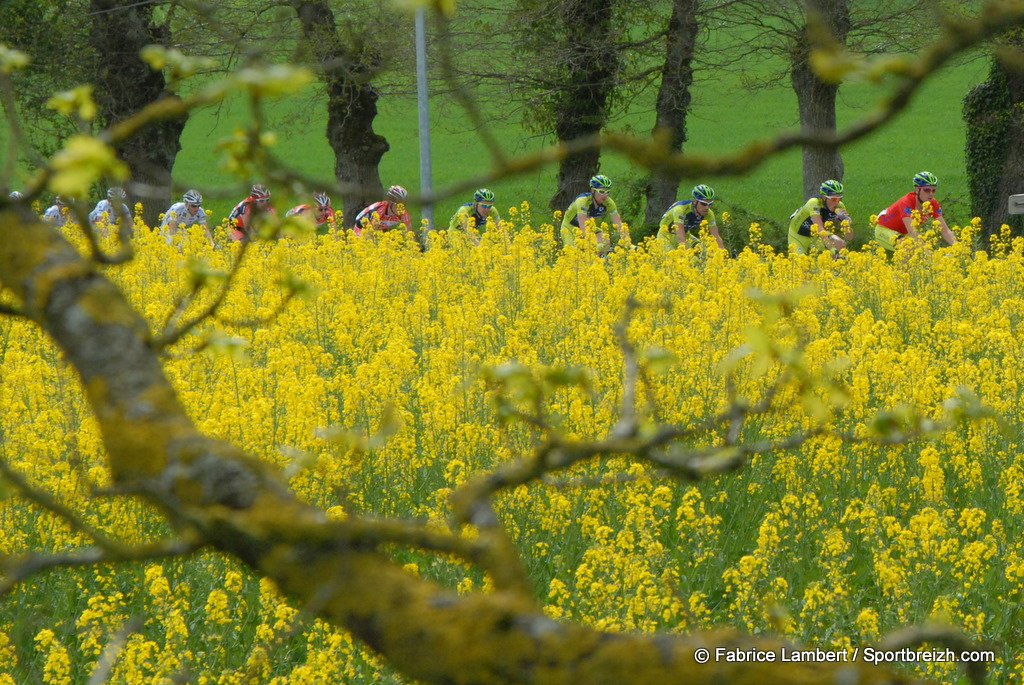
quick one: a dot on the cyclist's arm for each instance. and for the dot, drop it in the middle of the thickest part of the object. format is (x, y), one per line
(680, 228)
(581, 219)
(617, 223)
(947, 234)
(713, 230)
(908, 221)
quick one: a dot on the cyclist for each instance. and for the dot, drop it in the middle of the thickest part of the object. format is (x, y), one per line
(683, 219)
(807, 225)
(385, 215)
(184, 214)
(592, 205)
(474, 215)
(242, 219)
(58, 213)
(898, 220)
(111, 211)
(320, 213)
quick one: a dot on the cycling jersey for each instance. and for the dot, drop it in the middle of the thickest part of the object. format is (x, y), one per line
(183, 216)
(241, 217)
(802, 237)
(382, 216)
(892, 217)
(105, 213)
(58, 215)
(683, 212)
(311, 213)
(585, 203)
(802, 219)
(467, 215)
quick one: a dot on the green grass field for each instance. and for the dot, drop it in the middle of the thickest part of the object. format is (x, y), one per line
(725, 117)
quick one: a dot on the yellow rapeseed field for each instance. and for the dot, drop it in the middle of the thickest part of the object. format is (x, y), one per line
(378, 393)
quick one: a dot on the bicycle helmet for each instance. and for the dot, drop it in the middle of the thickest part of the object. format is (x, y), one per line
(925, 178)
(116, 193)
(831, 188)
(16, 195)
(601, 182)
(704, 193)
(321, 199)
(260, 192)
(483, 195)
(60, 201)
(192, 197)
(397, 193)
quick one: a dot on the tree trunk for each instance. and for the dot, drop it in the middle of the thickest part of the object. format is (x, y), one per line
(673, 103)
(1013, 158)
(124, 85)
(347, 65)
(816, 99)
(591, 62)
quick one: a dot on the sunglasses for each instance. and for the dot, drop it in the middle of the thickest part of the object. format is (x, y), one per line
(485, 205)
(602, 191)
(707, 203)
(834, 197)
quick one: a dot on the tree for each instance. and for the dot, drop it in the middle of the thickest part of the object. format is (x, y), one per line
(995, 140)
(68, 58)
(816, 98)
(214, 494)
(348, 59)
(577, 65)
(673, 101)
(794, 30)
(98, 42)
(586, 64)
(119, 31)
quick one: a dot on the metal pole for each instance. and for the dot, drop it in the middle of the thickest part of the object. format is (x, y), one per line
(424, 117)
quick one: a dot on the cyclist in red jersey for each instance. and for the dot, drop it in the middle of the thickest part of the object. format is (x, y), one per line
(385, 215)
(899, 219)
(321, 213)
(242, 219)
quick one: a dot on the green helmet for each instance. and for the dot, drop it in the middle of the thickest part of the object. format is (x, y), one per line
(600, 181)
(483, 195)
(925, 178)
(831, 188)
(704, 193)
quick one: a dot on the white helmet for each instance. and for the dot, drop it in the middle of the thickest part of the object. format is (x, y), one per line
(116, 193)
(260, 192)
(321, 199)
(192, 197)
(16, 195)
(397, 193)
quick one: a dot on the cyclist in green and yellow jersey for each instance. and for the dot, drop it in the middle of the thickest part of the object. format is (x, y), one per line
(593, 205)
(682, 221)
(808, 228)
